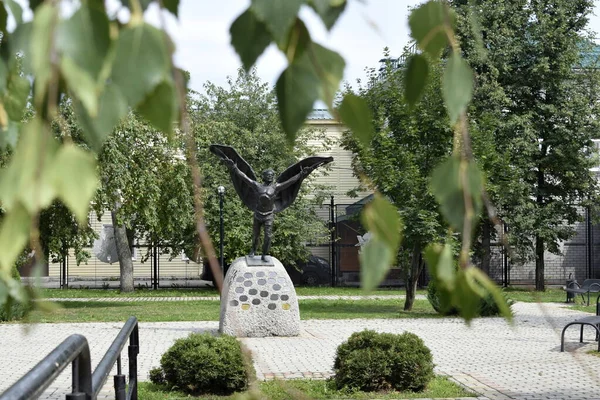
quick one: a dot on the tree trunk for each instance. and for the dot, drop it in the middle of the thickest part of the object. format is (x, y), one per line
(412, 277)
(124, 253)
(486, 239)
(539, 264)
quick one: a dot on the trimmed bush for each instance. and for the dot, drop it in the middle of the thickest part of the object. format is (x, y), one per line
(204, 364)
(434, 300)
(15, 273)
(157, 376)
(16, 310)
(371, 361)
(487, 308)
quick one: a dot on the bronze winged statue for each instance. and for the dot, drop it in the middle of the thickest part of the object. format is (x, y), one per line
(267, 198)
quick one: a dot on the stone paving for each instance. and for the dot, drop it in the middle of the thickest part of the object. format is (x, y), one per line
(493, 359)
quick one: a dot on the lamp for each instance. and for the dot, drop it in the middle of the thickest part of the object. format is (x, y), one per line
(221, 191)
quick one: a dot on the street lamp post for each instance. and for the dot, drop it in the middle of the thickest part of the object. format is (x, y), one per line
(221, 191)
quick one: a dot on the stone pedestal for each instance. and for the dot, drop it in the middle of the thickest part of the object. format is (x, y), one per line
(258, 300)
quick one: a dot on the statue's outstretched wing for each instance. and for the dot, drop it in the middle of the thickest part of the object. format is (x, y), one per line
(246, 192)
(287, 196)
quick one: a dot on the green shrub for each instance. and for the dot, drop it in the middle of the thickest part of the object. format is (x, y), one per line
(487, 307)
(434, 300)
(12, 311)
(15, 273)
(204, 364)
(157, 376)
(371, 361)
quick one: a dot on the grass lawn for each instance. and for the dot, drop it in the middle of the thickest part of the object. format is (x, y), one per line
(439, 387)
(109, 311)
(582, 307)
(209, 291)
(350, 309)
(96, 293)
(594, 353)
(350, 291)
(516, 294)
(531, 296)
(162, 311)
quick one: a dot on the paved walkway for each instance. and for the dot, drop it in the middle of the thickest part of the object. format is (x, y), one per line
(216, 298)
(493, 359)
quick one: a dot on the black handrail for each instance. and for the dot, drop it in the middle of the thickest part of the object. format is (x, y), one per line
(113, 354)
(85, 385)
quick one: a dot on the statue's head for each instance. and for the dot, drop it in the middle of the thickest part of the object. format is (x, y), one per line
(268, 175)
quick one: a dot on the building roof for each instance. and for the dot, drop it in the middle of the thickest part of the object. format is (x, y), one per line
(320, 113)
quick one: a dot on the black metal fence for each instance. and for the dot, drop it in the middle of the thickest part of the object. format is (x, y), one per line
(340, 248)
(579, 257)
(86, 385)
(153, 269)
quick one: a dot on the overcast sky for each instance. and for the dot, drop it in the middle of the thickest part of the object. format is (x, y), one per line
(365, 28)
(362, 32)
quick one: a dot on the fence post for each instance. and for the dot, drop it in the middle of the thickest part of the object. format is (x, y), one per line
(133, 351)
(119, 382)
(333, 246)
(120, 387)
(505, 282)
(64, 284)
(588, 239)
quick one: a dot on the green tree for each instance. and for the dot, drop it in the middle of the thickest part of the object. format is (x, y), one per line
(547, 116)
(408, 144)
(491, 127)
(60, 231)
(244, 116)
(146, 185)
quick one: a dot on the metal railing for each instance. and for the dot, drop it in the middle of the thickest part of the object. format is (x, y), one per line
(74, 350)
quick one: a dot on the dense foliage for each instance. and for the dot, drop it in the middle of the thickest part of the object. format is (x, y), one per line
(433, 297)
(13, 310)
(372, 361)
(409, 142)
(61, 232)
(487, 305)
(94, 57)
(204, 364)
(144, 184)
(533, 116)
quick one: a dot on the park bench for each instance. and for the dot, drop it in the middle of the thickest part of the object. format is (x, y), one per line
(593, 321)
(588, 286)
